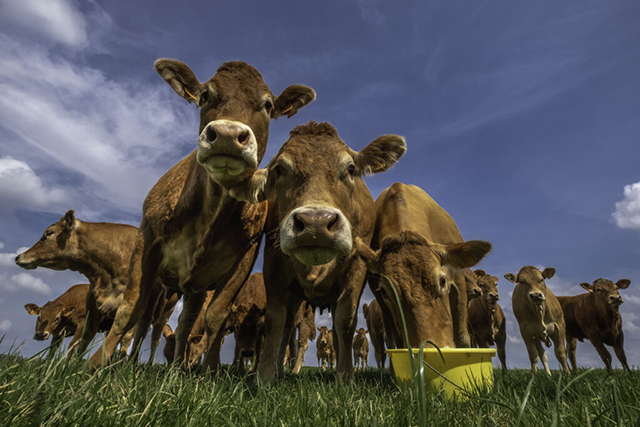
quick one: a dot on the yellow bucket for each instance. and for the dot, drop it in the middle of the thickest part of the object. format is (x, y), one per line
(469, 368)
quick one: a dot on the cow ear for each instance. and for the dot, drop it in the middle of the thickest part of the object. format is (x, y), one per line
(623, 283)
(587, 286)
(479, 273)
(69, 220)
(365, 310)
(318, 329)
(511, 277)
(292, 99)
(254, 189)
(380, 155)
(68, 311)
(369, 256)
(166, 330)
(465, 254)
(181, 79)
(548, 272)
(32, 309)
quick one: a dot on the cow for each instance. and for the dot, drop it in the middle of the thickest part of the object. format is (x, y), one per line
(418, 249)
(473, 290)
(318, 205)
(375, 326)
(304, 322)
(595, 315)
(195, 234)
(65, 316)
(361, 349)
(324, 348)
(247, 321)
(487, 324)
(539, 315)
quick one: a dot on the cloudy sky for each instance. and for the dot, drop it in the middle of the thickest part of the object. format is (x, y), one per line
(521, 119)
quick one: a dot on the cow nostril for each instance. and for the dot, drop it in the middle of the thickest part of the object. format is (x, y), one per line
(243, 137)
(334, 219)
(211, 134)
(298, 225)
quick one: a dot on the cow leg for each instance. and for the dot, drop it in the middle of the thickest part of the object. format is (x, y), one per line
(211, 361)
(458, 309)
(143, 325)
(238, 364)
(90, 327)
(572, 345)
(125, 342)
(77, 336)
(558, 338)
(501, 340)
(293, 348)
(303, 345)
(161, 316)
(288, 331)
(543, 356)
(145, 260)
(193, 303)
(56, 342)
(618, 347)
(602, 351)
(532, 350)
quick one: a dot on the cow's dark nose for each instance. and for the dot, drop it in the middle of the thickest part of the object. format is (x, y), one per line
(615, 299)
(536, 296)
(315, 222)
(494, 297)
(227, 132)
(476, 293)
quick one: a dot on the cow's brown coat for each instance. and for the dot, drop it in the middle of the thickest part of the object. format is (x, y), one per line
(375, 326)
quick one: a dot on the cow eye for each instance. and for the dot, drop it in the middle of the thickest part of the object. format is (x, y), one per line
(278, 170)
(268, 106)
(204, 98)
(351, 169)
(443, 281)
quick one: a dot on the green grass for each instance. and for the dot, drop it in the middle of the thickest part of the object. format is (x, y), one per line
(63, 392)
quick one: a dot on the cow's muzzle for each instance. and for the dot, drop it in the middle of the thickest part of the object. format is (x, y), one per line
(537, 297)
(227, 148)
(41, 336)
(316, 235)
(615, 300)
(23, 262)
(475, 293)
(493, 298)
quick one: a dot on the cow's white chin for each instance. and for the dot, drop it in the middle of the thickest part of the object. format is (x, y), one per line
(314, 255)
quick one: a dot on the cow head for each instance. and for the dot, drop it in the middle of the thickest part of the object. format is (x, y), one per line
(326, 336)
(170, 344)
(236, 106)
(248, 325)
(533, 281)
(470, 280)
(422, 273)
(361, 336)
(57, 247)
(607, 292)
(489, 286)
(50, 316)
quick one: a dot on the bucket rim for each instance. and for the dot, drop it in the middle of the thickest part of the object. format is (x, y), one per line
(491, 351)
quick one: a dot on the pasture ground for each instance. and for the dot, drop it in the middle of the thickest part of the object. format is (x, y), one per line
(64, 392)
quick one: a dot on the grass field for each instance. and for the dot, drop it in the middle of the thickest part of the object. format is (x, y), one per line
(62, 392)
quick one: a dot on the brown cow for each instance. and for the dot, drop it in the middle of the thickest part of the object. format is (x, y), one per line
(375, 326)
(596, 316)
(487, 324)
(65, 316)
(318, 205)
(101, 252)
(539, 315)
(324, 348)
(247, 320)
(473, 290)
(195, 235)
(305, 323)
(361, 349)
(420, 249)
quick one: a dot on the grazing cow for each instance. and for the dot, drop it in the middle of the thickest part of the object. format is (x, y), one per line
(595, 315)
(324, 348)
(487, 324)
(375, 325)
(305, 323)
(318, 205)
(101, 251)
(417, 245)
(361, 349)
(65, 316)
(539, 315)
(195, 235)
(247, 321)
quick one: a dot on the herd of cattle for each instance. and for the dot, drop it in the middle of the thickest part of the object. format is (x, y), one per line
(325, 238)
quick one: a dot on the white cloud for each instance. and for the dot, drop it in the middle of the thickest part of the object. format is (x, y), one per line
(632, 299)
(20, 187)
(5, 325)
(25, 282)
(8, 259)
(627, 214)
(370, 13)
(58, 21)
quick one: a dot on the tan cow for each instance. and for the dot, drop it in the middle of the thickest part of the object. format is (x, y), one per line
(247, 321)
(417, 245)
(539, 315)
(361, 349)
(65, 316)
(101, 251)
(324, 348)
(487, 324)
(304, 322)
(318, 205)
(595, 315)
(375, 326)
(473, 290)
(195, 235)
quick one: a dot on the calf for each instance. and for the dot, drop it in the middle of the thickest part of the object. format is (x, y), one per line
(247, 321)
(324, 348)
(595, 315)
(418, 247)
(361, 349)
(539, 315)
(375, 325)
(305, 323)
(101, 251)
(487, 324)
(318, 205)
(473, 290)
(195, 235)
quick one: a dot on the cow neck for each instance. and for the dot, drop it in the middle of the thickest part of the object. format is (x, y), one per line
(611, 315)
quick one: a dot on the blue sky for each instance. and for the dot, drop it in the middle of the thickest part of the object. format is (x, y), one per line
(521, 119)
